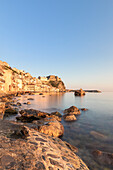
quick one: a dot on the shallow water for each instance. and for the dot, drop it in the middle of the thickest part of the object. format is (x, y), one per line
(82, 133)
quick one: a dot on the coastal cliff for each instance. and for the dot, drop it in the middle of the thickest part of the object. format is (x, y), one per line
(14, 80)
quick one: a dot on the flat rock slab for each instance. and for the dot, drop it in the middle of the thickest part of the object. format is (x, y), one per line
(33, 150)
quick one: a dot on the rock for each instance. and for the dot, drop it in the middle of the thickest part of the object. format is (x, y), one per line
(10, 112)
(40, 93)
(72, 111)
(35, 151)
(54, 128)
(69, 118)
(31, 93)
(30, 99)
(83, 109)
(18, 95)
(4, 99)
(79, 92)
(19, 104)
(98, 135)
(22, 132)
(28, 115)
(104, 158)
(55, 117)
(2, 109)
(56, 114)
(28, 103)
(7, 105)
(71, 147)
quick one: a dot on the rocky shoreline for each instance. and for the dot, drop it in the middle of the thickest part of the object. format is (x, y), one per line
(35, 147)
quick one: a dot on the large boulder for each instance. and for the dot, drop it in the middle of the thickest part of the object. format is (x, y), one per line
(54, 128)
(25, 148)
(80, 92)
(72, 111)
(69, 118)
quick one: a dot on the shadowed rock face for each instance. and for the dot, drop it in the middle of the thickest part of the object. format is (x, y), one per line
(79, 92)
(33, 150)
(46, 123)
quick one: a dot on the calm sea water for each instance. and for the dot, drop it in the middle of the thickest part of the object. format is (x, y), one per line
(81, 133)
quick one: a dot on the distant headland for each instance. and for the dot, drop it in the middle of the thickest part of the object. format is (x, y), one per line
(14, 80)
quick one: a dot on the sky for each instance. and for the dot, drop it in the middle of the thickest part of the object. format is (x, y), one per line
(72, 39)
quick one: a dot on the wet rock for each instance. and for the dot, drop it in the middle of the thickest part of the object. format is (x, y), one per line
(28, 103)
(72, 111)
(80, 92)
(40, 93)
(9, 112)
(29, 115)
(84, 109)
(30, 99)
(56, 114)
(69, 118)
(104, 158)
(55, 129)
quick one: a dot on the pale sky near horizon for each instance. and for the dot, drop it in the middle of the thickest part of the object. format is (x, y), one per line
(69, 38)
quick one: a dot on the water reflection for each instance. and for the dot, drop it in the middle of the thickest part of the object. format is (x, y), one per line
(93, 128)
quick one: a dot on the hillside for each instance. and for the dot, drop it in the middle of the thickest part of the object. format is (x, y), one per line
(14, 80)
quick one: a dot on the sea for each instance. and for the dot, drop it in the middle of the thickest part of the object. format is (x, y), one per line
(93, 129)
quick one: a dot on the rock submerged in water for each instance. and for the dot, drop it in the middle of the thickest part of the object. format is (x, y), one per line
(36, 151)
(98, 135)
(104, 158)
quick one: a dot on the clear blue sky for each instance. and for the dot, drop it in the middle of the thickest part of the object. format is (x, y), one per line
(69, 38)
